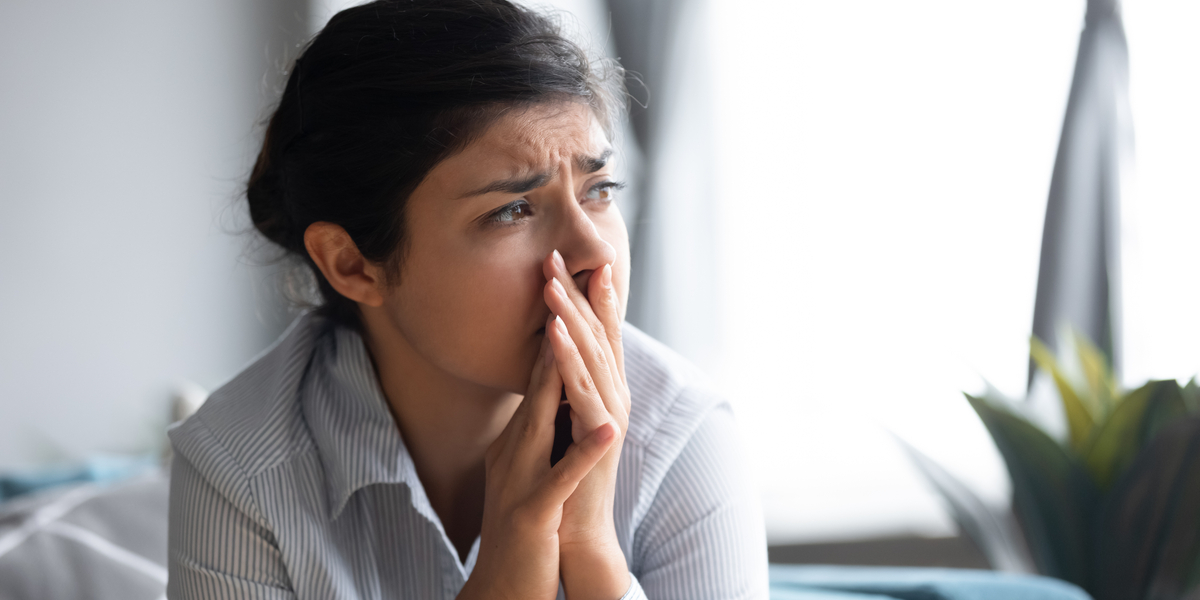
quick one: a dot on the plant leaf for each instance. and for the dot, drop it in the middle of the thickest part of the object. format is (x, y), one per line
(1147, 536)
(1193, 580)
(1080, 419)
(1134, 422)
(1165, 407)
(993, 531)
(1191, 396)
(1101, 382)
(1052, 494)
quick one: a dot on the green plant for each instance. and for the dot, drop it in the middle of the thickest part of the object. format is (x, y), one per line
(1115, 508)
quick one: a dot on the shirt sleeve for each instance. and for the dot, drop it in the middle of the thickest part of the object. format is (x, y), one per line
(703, 536)
(215, 550)
(635, 591)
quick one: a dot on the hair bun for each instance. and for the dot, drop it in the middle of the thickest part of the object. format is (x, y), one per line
(266, 196)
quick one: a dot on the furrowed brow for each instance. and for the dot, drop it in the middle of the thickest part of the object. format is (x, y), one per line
(513, 186)
(589, 164)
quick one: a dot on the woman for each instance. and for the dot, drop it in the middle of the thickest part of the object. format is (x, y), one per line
(444, 168)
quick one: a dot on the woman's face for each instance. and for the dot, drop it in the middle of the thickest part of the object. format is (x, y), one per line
(479, 226)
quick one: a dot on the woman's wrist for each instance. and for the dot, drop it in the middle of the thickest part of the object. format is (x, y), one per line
(594, 571)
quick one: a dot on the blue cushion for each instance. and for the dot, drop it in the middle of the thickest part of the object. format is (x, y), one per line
(97, 469)
(804, 582)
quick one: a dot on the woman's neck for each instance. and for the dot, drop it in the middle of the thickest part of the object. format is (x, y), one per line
(447, 425)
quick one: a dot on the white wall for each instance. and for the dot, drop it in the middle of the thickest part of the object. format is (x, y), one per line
(126, 127)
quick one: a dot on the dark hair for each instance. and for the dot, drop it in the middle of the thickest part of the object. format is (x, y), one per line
(385, 92)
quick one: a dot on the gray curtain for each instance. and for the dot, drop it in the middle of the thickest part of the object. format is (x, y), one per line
(673, 292)
(1079, 275)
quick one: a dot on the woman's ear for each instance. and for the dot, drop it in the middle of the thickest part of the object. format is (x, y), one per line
(343, 266)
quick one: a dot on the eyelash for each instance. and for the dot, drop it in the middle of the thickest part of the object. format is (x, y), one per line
(608, 186)
(496, 217)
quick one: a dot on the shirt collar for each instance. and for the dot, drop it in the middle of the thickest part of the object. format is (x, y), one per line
(355, 434)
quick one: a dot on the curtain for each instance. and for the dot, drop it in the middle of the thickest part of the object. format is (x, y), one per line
(673, 291)
(1079, 274)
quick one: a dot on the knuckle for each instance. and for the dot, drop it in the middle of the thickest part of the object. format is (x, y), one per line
(607, 297)
(598, 329)
(526, 433)
(529, 431)
(602, 370)
(583, 381)
(573, 353)
(599, 356)
(615, 336)
(560, 477)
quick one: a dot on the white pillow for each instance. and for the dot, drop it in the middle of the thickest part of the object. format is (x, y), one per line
(86, 541)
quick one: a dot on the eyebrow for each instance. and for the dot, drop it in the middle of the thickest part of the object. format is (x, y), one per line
(513, 186)
(587, 164)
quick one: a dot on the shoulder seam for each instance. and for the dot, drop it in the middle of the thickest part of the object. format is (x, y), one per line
(700, 415)
(244, 476)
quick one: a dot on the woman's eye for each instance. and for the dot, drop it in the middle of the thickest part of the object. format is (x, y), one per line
(511, 212)
(605, 191)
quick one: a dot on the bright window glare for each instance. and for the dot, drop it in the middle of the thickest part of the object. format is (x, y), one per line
(885, 167)
(1161, 216)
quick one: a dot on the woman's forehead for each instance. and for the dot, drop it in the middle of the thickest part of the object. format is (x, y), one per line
(522, 150)
(538, 138)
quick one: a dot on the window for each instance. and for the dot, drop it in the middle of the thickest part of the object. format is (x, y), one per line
(884, 170)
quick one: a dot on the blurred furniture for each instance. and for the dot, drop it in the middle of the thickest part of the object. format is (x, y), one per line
(99, 542)
(97, 469)
(86, 541)
(953, 552)
(792, 582)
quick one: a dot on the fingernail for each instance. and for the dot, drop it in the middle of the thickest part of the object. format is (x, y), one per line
(562, 327)
(606, 276)
(558, 288)
(606, 433)
(559, 262)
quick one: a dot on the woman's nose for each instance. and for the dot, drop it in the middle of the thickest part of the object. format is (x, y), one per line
(582, 248)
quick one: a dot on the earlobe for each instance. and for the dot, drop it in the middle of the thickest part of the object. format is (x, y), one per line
(344, 267)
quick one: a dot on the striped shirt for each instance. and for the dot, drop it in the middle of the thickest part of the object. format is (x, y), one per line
(292, 481)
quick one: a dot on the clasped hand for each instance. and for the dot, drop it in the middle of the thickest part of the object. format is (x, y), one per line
(543, 522)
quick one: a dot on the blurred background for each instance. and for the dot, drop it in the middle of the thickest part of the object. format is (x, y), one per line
(839, 210)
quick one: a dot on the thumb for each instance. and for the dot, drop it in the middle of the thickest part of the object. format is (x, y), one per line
(578, 462)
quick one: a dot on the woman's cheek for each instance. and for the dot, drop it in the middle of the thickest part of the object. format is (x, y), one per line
(508, 290)
(515, 311)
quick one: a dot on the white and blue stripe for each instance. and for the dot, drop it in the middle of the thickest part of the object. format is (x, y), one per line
(292, 481)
